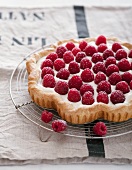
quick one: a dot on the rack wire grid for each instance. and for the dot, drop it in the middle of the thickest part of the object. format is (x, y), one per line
(23, 103)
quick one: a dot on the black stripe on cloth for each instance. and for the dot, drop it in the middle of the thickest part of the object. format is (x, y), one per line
(81, 22)
(95, 146)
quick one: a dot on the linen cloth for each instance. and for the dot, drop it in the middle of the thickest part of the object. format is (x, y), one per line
(24, 30)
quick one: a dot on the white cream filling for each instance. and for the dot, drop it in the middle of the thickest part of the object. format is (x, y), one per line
(79, 104)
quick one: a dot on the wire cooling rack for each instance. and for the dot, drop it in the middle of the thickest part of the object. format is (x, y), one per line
(23, 103)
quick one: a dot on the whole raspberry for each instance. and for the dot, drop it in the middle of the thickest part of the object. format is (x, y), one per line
(96, 57)
(116, 46)
(87, 98)
(75, 50)
(130, 84)
(100, 129)
(68, 57)
(46, 70)
(48, 81)
(102, 97)
(70, 45)
(117, 97)
(86, 87)
(85, 63)
(63, 73)
(74, 95)
(60, 51)
(59, 125)
(104, 86)
(100, 76)
(46, 116)
(99, 66)
(100, 39)
(130, 54)
(80, 56)
(114, 78)
(47, 63)
(90, 50)
(124, 65)
(87, 75)
(120, 54)
(109, 61)
(127, 76)
(131, 65)
(102, 47)
(111, 69)
(52, 56)
(82, 44)
(61, 87)
(108, 53)
(123, 86)
(75, 82)
(74, 67)
(58, 64)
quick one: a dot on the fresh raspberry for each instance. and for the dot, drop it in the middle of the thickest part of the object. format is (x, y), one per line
(68, 57)
(117, 97)
(103, 97)
(80, 56)
(120, 54)
(130, 54)
(102, 47)
(100, 39)
(46, 116)
(96, 57)
(74, 95)
(47, 63)
(90, 50)
(111, 69)
(61, 87)
(63, 73)
(124, 65)
(123, 86)
(58, 64)
(70, 45)
(87, 75)
(114, 78)
(75, 82)
(104, 86)
(86, 87)
(108, 53)
(109, 61)
(48, 81)
(60, 51)
(75, 50)
(52, 56)
(99, 66)
(131, 66)
(116, 46)
(100, 76)
(100, 129)
(127, 77)
(82, 44)
(87, 98)
(74, 67)
(85, 63)
(59, 125)
(130, 84)
(47, 70)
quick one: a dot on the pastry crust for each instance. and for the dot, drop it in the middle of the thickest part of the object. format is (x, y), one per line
(83, 114)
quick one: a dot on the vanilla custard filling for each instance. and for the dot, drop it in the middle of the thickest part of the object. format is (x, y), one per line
(76, 105)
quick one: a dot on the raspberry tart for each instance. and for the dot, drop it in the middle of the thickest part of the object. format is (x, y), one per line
(83, 80)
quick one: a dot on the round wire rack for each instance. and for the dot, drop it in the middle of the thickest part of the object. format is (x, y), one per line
(23, 103)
